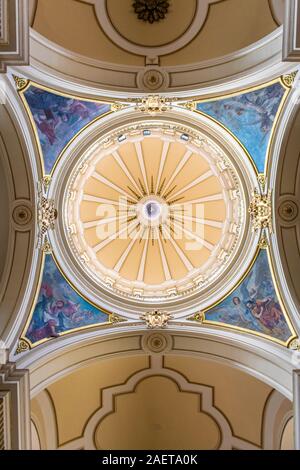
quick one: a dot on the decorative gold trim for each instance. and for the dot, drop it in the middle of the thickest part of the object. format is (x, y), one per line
(198, 317)
(113, 319)
(117, 106)
(154, 104)
(288, 80)
(263, 243)
(190, 105)
(295, 344)
(47, 215)
(262, 180)
(46, 247)
(156, 319)
(46, 181)
(260, 211)
(21, 83)
(23, 346)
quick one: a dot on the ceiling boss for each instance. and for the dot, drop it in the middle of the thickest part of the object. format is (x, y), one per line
(151, 10)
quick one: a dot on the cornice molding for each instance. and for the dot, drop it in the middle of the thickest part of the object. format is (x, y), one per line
(14, 393)
(260, 358)
(14, 33)
(252, 65)
(291, 31)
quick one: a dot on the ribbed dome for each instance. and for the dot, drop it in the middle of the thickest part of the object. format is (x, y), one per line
(154, 213)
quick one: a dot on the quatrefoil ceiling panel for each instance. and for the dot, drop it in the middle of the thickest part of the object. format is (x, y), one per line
(150, 212)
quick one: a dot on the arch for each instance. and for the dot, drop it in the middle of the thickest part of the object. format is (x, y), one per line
(20, 172)
(277, 413)
(287, 438)
(268, 362)
(285, 179)
(44, 418)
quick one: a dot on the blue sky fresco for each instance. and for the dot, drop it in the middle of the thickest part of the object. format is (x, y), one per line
(250, 117)
(254, 305)
(58, 119)
(59, 308)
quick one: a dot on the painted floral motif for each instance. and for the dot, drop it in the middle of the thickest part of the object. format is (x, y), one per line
(58, 119)
(254, 304)
(59, 308)
(250, 117)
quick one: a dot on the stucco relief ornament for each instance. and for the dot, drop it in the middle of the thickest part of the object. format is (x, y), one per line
(47, 215)
(153, 104)
(295, 345)
(261, 178)
(114, 319)
(156, 319)
(22, 347)
(21, 83)
(190, 105)
(261, 211)
(289, 79)
(198, 317)
(151, 10)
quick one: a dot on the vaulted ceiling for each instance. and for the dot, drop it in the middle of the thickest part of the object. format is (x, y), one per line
(224, 27)
(149, 172)
(183, 403)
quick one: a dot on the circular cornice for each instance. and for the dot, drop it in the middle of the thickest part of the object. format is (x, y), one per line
(106, 298)
(128, 214)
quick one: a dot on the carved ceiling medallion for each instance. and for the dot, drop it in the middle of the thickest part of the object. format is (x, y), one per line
(151, 10)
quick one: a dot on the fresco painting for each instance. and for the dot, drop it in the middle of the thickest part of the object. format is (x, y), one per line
(58, 119)
(59, 308)
(250, 117)
(254, 305)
